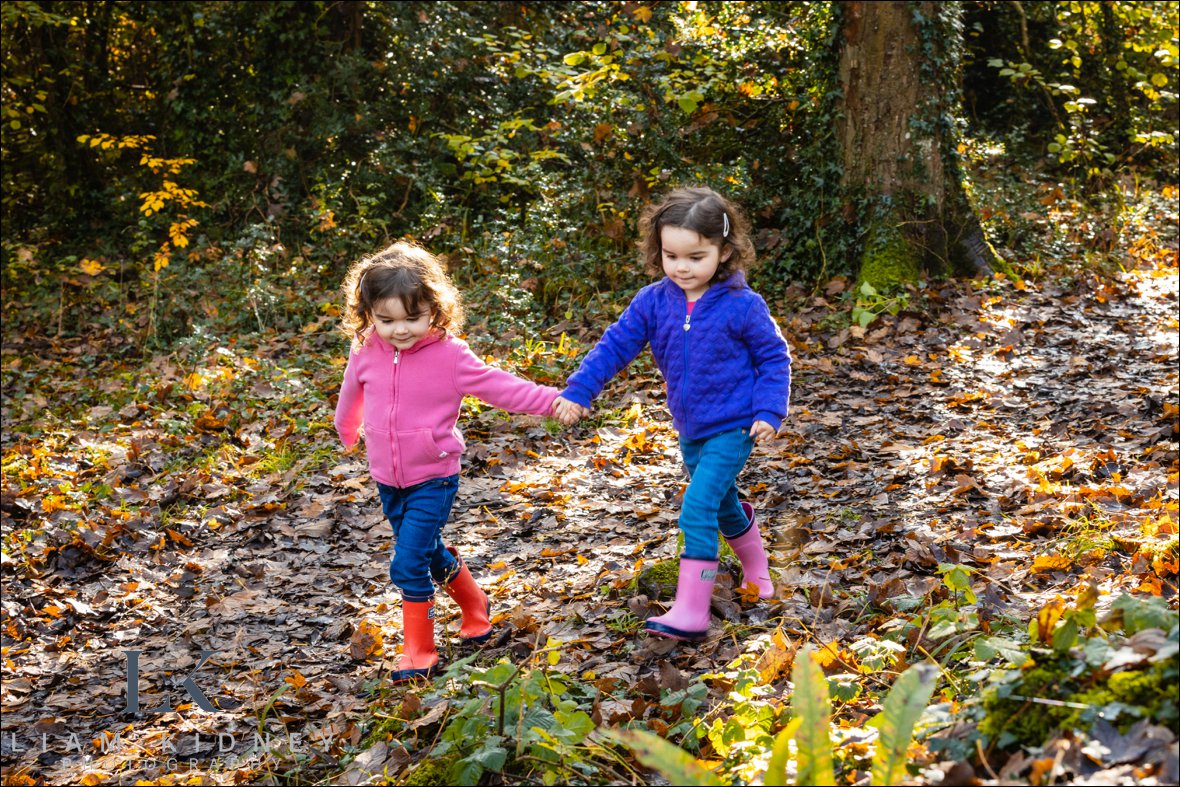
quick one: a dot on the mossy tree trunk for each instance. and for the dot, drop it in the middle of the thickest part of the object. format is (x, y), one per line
(898, 74)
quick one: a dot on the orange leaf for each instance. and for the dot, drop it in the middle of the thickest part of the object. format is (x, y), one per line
(1050, 563)
(748, 593)
(366, 641)
(179, 538)
(1041, 770)
(829, 654)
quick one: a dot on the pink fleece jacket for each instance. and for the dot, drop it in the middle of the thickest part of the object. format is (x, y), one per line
(409, 403)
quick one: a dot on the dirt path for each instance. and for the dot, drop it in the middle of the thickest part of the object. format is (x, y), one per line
(975, 436)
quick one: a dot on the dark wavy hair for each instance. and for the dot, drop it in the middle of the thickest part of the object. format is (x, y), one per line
(403, 271)
(708, 214)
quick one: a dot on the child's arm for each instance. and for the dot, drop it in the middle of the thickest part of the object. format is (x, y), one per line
(618, 346)
(500, 388)
(772, 358)
(350, 408)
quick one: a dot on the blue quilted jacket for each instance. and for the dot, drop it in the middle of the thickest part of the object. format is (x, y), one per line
(726, 365)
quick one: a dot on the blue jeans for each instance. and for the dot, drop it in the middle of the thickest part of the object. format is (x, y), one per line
(711, 500)
(417, 514)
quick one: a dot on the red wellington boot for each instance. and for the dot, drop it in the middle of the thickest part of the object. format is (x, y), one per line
(476, 626)
(419, 658)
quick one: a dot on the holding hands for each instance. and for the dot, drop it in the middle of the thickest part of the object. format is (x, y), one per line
(568, 412)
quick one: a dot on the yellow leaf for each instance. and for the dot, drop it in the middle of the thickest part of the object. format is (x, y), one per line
(643, 14)
(1046, 621)
(1050, 563)
(829, 654)
(91, 267)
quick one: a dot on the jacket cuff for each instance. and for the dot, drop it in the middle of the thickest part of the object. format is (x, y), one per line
(774, 419)
(578, 396)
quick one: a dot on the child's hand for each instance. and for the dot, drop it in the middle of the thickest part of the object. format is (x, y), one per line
(567, 412)
(762, 431)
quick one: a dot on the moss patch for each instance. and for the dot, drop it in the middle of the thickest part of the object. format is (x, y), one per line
(889, 261)
(1123, 698)
(658, 580)
(429, 772)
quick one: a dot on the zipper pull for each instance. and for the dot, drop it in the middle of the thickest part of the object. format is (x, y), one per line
(397, 355)
(687, 321)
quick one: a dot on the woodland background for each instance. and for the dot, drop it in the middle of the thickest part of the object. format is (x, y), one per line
(971, 509)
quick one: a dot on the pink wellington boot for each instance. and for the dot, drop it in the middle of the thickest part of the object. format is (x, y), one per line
(750, 551)
(689, 617)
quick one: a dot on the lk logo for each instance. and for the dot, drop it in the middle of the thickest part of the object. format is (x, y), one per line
(188, 683)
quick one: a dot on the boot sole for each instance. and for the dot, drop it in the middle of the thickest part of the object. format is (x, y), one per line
(662, 630)
(406, 675)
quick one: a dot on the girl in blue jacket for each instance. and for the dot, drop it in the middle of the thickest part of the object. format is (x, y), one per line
(728, 374)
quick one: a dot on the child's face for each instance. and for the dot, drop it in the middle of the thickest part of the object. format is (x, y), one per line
(690, 259)
(399, 327)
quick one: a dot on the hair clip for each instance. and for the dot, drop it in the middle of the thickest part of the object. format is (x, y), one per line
(725, 224)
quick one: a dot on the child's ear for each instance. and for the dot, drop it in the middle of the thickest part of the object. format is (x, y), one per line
(727, 252)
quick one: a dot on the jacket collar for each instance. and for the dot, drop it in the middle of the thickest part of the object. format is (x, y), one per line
(735, 281)
(433, 337)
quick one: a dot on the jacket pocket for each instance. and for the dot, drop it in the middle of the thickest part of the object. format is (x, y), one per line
(379, 448)
(417, 448)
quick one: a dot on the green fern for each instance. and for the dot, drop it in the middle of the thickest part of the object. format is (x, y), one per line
(809, 729)
(899, 713)
(672, 762)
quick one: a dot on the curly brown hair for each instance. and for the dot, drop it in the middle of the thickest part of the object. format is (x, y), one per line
(403, 271)
(705, 212)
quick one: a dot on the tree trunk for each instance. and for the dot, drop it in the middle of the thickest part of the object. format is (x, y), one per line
(898, 74)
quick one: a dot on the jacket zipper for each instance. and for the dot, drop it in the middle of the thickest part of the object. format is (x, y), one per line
(397, 469)
(684, 386)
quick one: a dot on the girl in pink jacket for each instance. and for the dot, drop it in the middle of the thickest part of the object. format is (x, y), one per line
(407, 375)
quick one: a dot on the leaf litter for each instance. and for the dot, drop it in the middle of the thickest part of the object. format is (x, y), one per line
(199, 502)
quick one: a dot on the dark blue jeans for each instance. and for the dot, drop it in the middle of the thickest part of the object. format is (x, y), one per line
(711, 500)
(417, 515)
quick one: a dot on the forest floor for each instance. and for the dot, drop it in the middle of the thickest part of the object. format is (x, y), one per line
(1024, 430)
